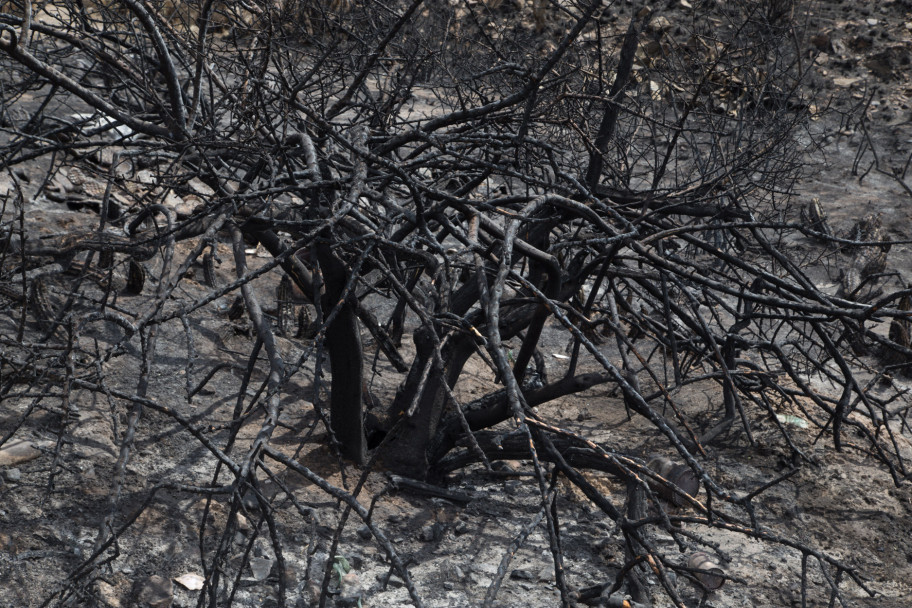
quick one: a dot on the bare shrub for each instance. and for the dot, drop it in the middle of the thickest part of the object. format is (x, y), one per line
(432, 170)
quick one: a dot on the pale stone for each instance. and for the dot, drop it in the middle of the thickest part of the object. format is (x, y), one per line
(18, 451)
(191, 581)
(261, 567)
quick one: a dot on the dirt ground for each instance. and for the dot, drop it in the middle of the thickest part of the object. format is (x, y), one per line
(52, 511)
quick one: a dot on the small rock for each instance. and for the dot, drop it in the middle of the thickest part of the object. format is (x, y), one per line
(243, 524)
(145, 176)
(260, 567)
(502, 466)
(104, 156)
(364, 533)
(156, 592)
(512, 486)
(521, 575)
(18, 451)
(194, 202)
(461, 527)
(250, 502)
(191, 581)
(846, 82)
(108, 594)
(660, 24)
(13, 475)
(449, 586)
(200, 187)
(432, 532)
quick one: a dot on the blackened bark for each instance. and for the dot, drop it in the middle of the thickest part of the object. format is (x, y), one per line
(343, 342)
(495, 408)
(609, 118)
(407, 452)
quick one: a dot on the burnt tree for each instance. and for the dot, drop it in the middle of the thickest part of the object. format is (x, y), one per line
(476, 188)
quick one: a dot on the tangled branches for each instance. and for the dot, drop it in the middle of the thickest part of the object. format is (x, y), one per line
(626, 194)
